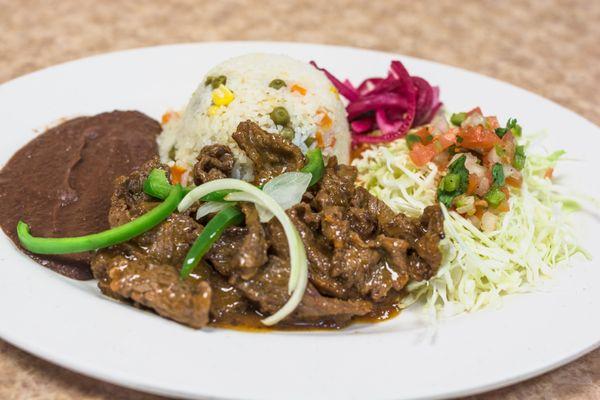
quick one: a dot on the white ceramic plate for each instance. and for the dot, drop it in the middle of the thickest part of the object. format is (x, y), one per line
(71, 324)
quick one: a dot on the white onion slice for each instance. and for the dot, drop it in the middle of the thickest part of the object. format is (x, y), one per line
(211, 207)
(287, 189)
(298, 262)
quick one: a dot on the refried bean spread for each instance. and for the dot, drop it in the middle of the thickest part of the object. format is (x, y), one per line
(61, 182)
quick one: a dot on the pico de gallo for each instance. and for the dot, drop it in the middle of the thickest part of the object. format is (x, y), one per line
(479, 161)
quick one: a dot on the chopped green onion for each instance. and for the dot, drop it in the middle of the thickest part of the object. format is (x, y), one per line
(412, 139)
(104, 239)
(451, 182)
(458, 118)
(511, 125)
(499, 150)
(495, 196)
(458, 169)
(519, 160)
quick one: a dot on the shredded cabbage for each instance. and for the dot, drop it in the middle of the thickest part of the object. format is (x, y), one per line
(478, 267)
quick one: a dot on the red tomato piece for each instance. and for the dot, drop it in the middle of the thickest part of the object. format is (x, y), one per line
(421, 154)
(477, 138)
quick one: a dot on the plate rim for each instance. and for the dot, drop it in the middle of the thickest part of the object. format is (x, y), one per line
(69, 363)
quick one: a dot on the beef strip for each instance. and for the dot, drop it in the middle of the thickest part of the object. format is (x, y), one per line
(335, 186)
(252, 253)
(156, 286)
(271, 155)
(214, 162)
(146, 269)
(269, 290)
(360, 253)
(354, 247)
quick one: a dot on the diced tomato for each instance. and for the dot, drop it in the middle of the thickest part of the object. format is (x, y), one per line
(473, 183)
(481, 203)
(508, 145)
(445, 140)
(549, 172)
(492, 122)
(477, 138)
(476, 110)
(441, 160)
(421, 154)
(425, 135)
(176, 174)
(480, 211)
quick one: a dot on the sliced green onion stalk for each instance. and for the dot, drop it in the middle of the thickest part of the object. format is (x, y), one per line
(298, 262)
(229, 216)
(104, 239)
(458, 118)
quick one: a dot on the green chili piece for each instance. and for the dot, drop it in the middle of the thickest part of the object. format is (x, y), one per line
(209, 235)
(157, 185)
(511, 125)
(519, 160)
(459, 173)
(233, 216)
(451, 182)
(315, 165)
(107, 238)
(495, 196)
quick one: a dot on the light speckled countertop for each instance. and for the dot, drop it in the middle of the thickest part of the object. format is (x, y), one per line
(551, 48)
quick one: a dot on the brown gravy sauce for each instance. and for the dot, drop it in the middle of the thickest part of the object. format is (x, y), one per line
(250, 322)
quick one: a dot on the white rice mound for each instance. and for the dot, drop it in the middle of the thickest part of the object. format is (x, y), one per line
(248, 77)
